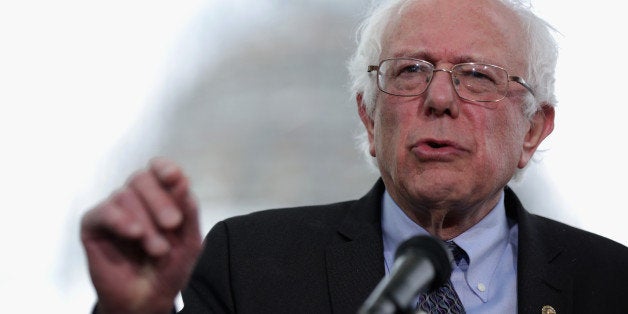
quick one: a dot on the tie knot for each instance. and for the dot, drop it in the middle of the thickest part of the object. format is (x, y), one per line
(458, 253)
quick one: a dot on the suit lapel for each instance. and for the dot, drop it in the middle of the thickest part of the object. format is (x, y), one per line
(542, 257)
(355, 262)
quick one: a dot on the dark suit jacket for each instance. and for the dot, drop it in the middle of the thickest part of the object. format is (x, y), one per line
(328, 259)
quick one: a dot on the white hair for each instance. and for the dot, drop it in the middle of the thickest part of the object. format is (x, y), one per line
(541, 47)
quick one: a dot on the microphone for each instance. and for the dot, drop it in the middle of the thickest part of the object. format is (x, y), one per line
(421, 263)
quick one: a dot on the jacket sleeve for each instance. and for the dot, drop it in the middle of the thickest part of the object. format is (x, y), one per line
(209, 289)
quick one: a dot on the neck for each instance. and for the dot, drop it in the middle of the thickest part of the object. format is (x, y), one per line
(447, 221)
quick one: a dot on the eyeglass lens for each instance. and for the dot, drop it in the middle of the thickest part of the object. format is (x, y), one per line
(475, 82)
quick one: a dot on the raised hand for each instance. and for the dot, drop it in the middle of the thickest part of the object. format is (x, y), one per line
(143, 241)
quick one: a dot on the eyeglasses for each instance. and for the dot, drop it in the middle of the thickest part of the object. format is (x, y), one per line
(472, 81)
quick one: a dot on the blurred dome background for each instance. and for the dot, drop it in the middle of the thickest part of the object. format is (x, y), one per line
(251, 98)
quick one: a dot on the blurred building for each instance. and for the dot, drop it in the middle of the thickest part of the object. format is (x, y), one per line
(255, 106)
(265, 117)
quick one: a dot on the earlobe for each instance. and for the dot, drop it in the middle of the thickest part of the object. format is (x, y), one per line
(368, 123)
(541, 125)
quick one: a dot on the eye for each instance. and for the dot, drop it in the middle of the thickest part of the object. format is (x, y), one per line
(476, 75)
(410, 69)
(407, 69)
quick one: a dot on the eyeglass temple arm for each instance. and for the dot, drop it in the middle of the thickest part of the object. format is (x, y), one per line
(522, 82)
(372, 68)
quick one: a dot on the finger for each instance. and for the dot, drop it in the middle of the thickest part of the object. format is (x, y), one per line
(190, 212)
(182, 194)
(177, 184)
(185, 199)
(108, 217)
(160, 205)
(154, 242)
(167, 172)
(171, 176)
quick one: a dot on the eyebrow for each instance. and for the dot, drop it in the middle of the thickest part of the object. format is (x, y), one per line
(424, 55)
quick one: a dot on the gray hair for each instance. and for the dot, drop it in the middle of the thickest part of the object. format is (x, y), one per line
(542, 54)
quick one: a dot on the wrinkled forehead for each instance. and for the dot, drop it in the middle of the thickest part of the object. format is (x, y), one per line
(484, 30)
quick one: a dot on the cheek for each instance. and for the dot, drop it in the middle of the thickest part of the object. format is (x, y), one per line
(391, 131)
(386, 125)
(503, 140)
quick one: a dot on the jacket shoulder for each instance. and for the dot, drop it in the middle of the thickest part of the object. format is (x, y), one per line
(579, 240)
(315, 217)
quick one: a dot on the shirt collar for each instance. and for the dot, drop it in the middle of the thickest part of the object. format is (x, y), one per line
(485, 241)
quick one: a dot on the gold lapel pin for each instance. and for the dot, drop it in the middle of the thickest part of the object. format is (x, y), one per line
(548, 309)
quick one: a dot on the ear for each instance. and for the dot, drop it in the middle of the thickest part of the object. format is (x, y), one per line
(368, 122)
(541, 126)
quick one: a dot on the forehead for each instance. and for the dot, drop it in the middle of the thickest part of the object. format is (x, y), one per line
(456, 31)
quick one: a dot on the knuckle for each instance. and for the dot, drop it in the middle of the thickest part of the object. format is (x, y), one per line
(120, 196)
(87, 217)
(137, 178)
(111, 215)
(104, 216)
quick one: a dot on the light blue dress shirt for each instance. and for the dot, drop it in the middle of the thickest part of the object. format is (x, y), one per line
(488, 284)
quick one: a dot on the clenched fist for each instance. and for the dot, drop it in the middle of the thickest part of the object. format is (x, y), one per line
(143, 241)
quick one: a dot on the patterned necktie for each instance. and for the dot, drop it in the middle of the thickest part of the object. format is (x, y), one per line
(444, 299)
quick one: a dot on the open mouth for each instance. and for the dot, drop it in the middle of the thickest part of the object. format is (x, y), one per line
(436, 144)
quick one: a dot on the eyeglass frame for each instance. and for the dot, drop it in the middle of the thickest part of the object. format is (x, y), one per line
(514, 78)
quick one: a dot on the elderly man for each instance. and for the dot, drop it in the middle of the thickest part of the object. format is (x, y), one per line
(455, 98)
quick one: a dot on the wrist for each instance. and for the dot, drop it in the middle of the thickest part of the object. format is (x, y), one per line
(99, 308)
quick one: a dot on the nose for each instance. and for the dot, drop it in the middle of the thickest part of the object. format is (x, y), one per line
(441, 97)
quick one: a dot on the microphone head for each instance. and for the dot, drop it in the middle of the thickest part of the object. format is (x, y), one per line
(433, 249)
